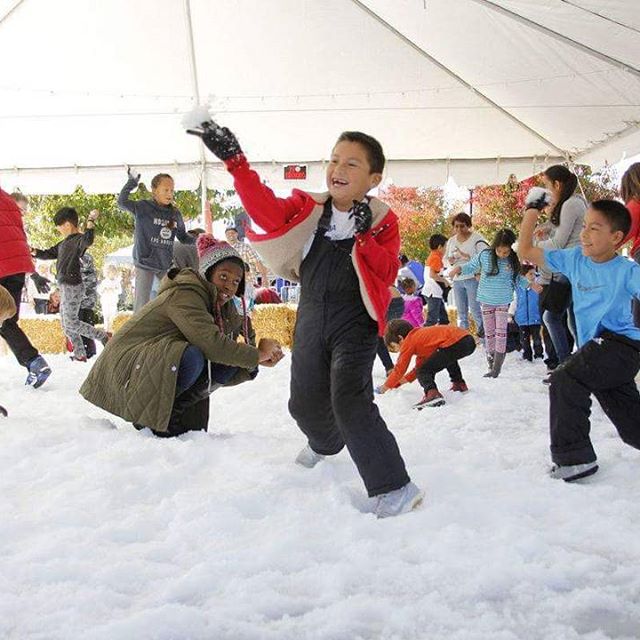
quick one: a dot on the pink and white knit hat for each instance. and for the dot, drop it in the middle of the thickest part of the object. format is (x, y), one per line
(211, 251)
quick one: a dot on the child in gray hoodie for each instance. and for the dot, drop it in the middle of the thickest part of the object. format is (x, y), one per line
(157, 223)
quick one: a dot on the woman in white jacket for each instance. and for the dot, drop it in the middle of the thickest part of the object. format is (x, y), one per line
(461, 247)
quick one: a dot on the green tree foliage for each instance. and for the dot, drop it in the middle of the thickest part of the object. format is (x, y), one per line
(114, 228)
(421, 212)
(501, 205)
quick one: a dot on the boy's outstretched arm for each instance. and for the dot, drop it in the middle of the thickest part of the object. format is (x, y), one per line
(265, 209)
(124, 202)
(537, 199)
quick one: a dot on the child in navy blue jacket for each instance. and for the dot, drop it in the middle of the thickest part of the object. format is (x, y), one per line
(527, 316)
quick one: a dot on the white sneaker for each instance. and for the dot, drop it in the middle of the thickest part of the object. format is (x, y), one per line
(399, 501)
(572, 472)
(308, 457)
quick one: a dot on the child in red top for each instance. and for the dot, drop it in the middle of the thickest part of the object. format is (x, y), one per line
(436, 348)
(436, 287)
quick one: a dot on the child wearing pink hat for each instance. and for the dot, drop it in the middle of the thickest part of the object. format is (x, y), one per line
(159, 370)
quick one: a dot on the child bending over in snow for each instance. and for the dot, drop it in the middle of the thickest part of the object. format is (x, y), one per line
(435, 348)
(342, 247)
(603, 285)
(7, 310)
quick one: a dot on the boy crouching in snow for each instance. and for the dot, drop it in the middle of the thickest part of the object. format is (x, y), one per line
(436, 348)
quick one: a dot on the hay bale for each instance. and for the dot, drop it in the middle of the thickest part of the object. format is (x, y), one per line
(452, 312)
(45, 333)
(120, 319)
(275, 321)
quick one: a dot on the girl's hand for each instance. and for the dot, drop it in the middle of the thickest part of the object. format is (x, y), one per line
(463, 255)
(269, 352)
(455, 271)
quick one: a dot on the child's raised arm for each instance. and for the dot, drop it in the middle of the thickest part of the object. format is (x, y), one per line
(537, 199)
(124, 202)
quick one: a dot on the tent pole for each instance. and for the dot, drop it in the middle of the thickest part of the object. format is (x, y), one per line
(559, 36)
(205, 210)
(456, 77)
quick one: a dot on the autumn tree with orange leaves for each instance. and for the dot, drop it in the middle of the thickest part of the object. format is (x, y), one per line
(421, 212)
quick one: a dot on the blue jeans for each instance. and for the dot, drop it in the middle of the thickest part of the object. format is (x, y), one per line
(191, 365)
(436, 312)
(465, 295)
(557, 325)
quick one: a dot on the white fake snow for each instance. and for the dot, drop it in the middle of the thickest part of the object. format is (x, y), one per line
(107, 533)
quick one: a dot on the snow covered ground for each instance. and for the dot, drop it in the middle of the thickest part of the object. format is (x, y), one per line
(111, 534)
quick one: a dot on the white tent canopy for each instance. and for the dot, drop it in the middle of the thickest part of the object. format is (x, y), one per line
(476, 89)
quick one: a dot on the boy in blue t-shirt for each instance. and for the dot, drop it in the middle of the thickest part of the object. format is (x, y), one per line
(608, 358)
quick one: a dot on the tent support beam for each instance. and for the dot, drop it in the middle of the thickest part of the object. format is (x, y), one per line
(623, 133)
(205, 211)
(558, 36)
(10, 11)
(458, 78)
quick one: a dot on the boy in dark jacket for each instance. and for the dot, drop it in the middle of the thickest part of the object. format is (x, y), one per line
(157, 223)
(68, 254)
(527, 316)
(343, 249)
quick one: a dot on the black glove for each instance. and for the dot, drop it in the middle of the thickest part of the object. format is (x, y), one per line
(361, 213)
(537, 198)
(219, 140)
(42, 284)
(133, 174)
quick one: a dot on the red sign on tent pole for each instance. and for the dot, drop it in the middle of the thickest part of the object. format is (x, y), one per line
(295, 172)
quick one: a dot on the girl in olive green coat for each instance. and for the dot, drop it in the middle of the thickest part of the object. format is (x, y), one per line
(160, 368)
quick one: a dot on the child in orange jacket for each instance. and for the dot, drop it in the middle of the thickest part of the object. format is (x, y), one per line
(436, 348)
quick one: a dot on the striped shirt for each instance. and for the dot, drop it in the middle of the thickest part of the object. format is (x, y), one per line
(497, 289)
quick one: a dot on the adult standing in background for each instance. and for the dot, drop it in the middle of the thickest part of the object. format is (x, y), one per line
(157, 224)
(461, 248)
(562, 231)
(248, 255)
(15, 262)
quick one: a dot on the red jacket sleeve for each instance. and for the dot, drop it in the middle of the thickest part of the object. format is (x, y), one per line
(379, 248)
(264, 208)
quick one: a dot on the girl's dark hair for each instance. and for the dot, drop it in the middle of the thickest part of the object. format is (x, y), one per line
(437, 240)
(407, 284)
(158, 178)
(462, 217)
(504, 238)
(630, 185)
(569, 182)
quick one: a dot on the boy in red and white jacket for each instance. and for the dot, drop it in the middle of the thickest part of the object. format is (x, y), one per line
(342, 247)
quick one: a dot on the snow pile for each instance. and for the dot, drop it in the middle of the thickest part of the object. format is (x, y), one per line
(111, 534)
